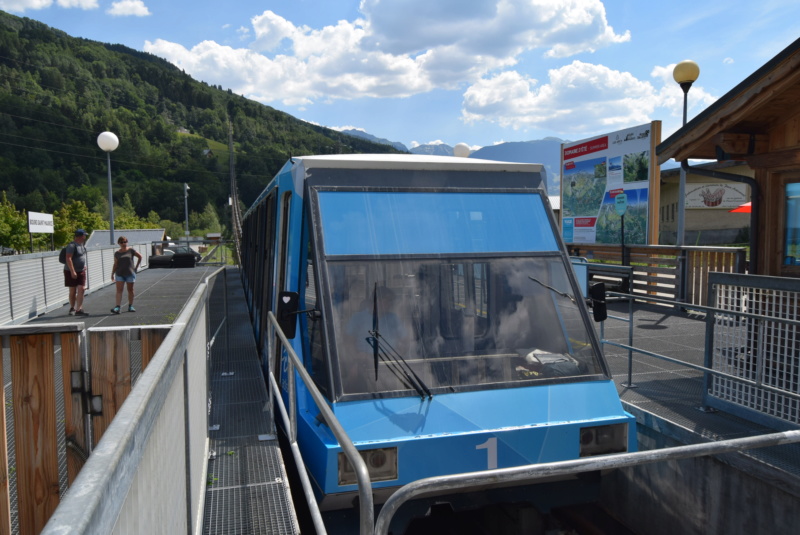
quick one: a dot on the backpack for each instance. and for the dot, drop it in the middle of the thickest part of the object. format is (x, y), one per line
(62, 256)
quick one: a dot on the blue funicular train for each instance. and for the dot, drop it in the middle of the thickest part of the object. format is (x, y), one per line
(439, 317)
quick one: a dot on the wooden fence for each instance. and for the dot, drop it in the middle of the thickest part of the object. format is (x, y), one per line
(95, 380)
(659, 269)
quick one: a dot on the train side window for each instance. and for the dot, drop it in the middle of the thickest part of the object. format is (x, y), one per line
(314, 334)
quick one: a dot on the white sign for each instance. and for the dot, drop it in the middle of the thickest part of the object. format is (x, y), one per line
(621, 203)
(723, 195)
(40, 223)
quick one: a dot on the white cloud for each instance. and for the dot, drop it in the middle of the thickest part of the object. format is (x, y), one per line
(24, 5)
(244, 32)
(128, 8)
(579, 98)
(271, 30)
(342, 128)
(728, 61)
(80, 4)
(398, 49)
(500, 29)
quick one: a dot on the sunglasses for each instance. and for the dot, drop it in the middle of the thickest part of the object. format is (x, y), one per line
(124, 241)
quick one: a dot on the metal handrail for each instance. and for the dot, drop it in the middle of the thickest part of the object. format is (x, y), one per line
(533, 472)
(704, 369)
(367, 513)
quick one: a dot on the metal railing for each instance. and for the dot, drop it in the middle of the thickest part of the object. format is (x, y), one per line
(290, 421)
(726, 318)
(678, 272)
(33, 284)
(533, 473)
(705, 369)
(756, 337)
(148, 472)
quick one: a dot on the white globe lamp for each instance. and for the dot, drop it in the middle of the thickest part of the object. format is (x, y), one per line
(461, 150)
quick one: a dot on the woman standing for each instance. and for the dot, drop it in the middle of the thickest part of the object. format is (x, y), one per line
(125, 272)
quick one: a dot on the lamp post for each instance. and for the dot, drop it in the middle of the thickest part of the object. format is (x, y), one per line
(186, 209)
(685, 73)
(108, 141)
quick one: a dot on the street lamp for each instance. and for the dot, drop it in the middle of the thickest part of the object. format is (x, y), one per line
(108, 141)
(685, 73)
(186, 208)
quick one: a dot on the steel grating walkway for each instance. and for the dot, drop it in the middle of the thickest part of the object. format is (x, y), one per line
(248, 491)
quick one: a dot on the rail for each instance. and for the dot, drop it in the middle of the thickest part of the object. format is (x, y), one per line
(290, 421)
(148, 472)
(678, 272)
(758, 383)
(532, 473)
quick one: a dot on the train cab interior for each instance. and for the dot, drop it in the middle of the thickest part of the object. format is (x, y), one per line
(494, 307)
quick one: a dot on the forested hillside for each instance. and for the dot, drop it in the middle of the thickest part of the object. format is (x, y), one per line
(57, 93)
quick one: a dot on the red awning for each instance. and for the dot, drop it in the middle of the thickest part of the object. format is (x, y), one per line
(745, 208)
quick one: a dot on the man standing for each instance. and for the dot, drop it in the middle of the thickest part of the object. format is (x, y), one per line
(75, 273)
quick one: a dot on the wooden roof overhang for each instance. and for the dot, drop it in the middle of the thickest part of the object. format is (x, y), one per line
(738, 125)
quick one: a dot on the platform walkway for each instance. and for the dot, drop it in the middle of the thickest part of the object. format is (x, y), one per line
(247, 488)
(668, 397)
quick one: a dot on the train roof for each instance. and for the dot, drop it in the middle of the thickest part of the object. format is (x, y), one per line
(412, 161)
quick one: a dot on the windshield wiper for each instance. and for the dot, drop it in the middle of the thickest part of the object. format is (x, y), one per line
(559, 292)
(383, 350)
(398, 365)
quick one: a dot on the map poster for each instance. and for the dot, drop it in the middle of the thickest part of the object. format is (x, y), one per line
(594, 171)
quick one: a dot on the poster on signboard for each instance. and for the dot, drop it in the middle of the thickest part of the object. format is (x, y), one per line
(594, 171)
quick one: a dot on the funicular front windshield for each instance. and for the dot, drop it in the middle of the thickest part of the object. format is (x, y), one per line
(435, 292)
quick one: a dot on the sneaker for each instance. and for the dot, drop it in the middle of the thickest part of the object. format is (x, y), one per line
(71, 311)
(81, 313)
(115, 310)
(131, 309)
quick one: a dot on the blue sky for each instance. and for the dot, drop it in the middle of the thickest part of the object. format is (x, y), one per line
(421, 71)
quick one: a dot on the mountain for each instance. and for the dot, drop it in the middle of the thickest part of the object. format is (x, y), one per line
(58, 92)
(545, 151)
(434, 149)
(369, 137)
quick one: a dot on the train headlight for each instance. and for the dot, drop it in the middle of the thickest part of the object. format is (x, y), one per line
(381, 464)
(604, 439)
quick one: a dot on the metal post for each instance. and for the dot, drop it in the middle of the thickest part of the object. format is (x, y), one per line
(682, 183)
(110, 199)
(186, 209)
(630, 384)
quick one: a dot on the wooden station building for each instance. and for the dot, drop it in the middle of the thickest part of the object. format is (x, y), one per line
(757, 122)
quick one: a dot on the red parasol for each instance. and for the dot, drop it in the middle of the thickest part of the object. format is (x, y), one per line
(742, 208)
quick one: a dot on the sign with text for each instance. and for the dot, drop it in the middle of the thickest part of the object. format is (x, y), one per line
(621, 204)
(40, 223)
(723, 195)
(595, 172)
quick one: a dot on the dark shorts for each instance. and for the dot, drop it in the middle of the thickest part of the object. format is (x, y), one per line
(80, 280)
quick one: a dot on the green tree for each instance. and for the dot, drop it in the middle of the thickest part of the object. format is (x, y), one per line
(74, 216)
(13, 226)
(202, 223)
